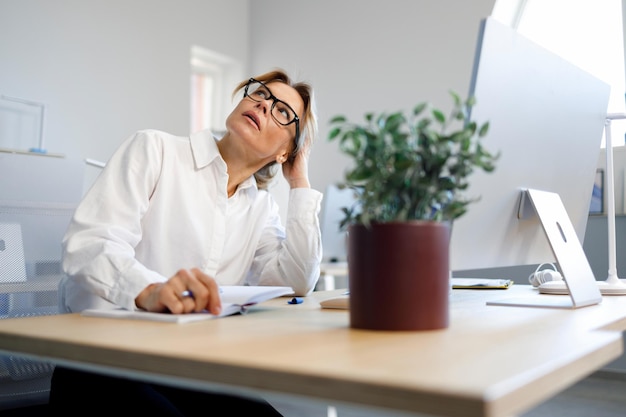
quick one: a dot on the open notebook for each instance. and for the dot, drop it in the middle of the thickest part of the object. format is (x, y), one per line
(235, 299)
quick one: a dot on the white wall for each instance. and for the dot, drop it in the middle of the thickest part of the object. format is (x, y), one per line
(106, 68)
(366, 55)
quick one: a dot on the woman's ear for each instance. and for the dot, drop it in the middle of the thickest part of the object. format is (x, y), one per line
(281, 159)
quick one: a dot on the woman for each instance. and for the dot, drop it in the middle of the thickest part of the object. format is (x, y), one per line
(173, 214)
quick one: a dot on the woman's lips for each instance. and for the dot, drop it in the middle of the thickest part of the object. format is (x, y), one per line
(252, 116)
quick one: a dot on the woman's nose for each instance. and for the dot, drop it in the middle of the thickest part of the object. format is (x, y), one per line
(264, 106)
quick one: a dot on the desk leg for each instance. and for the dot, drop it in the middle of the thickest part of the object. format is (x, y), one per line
(329, 283)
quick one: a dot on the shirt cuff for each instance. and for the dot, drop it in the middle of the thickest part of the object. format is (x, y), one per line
(304, 203)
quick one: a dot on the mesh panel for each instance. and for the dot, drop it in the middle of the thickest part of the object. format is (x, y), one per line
(21, 369)
(31, 234)
(38, 228)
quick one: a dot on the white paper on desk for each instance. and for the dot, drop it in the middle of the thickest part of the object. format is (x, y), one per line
(120, 313)
(235, 299)
(477, 283)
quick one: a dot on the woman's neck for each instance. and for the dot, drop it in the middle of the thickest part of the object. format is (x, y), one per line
(238, 168)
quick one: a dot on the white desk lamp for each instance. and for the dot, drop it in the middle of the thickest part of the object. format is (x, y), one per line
(613, 285)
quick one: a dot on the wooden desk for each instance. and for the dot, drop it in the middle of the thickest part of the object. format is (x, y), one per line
(492, 361)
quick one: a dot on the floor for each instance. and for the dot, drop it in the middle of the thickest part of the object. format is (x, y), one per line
(601, 395)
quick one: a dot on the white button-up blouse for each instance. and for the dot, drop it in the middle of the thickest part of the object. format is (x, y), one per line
(161, 204)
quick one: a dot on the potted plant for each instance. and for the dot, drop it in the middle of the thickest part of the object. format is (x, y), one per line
(408, 176)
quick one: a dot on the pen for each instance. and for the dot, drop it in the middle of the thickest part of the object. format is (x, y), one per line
(189, 293)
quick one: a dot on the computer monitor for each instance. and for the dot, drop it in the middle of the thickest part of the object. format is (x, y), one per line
(546, 119)
(333, 238)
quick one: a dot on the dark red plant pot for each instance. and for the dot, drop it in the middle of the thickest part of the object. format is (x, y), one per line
(399, 276)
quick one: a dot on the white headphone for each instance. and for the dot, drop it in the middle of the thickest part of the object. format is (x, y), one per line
(539, 277)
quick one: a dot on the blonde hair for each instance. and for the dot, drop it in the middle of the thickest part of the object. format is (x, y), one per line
(308, 120)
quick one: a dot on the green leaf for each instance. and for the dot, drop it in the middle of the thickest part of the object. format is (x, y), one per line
(334, 133)
(483, 129)
(456, 99)
(439, 116)
(338, 119)
(417, 110)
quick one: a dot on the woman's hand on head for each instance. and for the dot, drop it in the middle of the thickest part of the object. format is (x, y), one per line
(170, 296)
(296, 170)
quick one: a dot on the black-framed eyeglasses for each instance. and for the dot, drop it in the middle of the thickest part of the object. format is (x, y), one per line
(281, 112)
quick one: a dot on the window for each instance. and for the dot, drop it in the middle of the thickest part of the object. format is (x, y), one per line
(213, 77)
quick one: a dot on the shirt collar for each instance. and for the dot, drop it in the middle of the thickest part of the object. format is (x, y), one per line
(204, 148)
(205, 151)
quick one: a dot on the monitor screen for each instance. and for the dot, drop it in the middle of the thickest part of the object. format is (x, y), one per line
(333, 238)
(546, 119)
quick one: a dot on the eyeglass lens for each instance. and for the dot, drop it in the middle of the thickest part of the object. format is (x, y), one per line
(280, 110)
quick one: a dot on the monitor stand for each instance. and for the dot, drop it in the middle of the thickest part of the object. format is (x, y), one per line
(581, 284)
